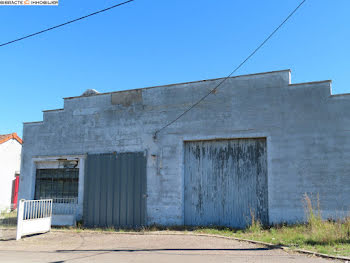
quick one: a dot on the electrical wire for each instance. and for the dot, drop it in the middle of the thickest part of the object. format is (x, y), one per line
(66, 23)
(238, 67)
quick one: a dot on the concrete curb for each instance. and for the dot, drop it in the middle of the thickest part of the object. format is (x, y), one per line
(301, 251)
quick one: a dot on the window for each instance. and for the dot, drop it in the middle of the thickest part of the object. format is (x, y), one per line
(56, 183)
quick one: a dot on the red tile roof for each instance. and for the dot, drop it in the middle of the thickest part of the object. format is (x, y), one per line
(6, 137)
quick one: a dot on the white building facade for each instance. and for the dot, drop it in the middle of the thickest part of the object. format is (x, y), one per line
(10, 162)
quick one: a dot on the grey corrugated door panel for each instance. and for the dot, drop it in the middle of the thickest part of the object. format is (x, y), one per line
(103, 190)
(143, 188)
(138, 201)
(116, 192)
(225, 182)
(130, 193)
(115, 186)
(123, 192)
(109, 193)
(96, 189)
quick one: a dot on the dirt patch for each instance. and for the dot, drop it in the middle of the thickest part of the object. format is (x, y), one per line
(7, 234)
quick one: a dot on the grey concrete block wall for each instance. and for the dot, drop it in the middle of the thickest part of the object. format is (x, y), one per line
(307, 131)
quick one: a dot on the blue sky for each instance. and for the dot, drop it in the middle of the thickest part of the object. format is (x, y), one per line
(156, 42)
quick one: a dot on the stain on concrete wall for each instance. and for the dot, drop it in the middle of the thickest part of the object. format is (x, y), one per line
(127, 98)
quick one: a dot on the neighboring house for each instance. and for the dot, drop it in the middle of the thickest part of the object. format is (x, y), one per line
(10, 162)
(254, 146)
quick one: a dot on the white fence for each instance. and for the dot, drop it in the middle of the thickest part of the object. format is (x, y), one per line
(34, 216)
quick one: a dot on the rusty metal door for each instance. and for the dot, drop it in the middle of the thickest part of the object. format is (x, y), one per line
(115, 190)
(226, 182)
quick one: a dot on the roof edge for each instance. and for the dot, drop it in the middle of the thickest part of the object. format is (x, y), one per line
(182, 83)
(340, 95)
(53, 110)
(311, 82)
(10, 137)
(33, 122)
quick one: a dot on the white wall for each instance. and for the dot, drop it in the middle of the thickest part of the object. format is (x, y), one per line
(10, 160)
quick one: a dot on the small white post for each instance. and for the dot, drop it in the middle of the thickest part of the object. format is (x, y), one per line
(20, 219)
(50, 213)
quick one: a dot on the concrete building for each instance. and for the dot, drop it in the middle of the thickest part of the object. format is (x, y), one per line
(255, 146)
(10, 162)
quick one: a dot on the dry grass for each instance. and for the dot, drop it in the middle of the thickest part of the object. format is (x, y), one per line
(8, 219)
(323, 236)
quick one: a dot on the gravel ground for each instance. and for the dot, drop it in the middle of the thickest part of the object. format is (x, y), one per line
(71, 246)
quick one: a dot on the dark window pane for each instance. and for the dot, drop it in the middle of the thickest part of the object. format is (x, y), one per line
(56, 183)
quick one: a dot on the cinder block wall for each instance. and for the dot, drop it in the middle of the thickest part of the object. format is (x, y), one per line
(307, 131)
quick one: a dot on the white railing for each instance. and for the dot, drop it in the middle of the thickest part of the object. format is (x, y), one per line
(33, 216)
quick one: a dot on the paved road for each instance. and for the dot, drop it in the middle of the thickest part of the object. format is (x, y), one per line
(70, 246)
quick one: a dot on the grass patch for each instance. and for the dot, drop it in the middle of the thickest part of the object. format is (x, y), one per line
(328, 238)
(322, 236)
(8, 218)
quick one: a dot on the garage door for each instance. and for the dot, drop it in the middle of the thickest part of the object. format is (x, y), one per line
(115, 190)
(225, 182)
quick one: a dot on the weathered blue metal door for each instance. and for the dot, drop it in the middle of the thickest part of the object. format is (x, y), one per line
(115, 190)
(226, 182)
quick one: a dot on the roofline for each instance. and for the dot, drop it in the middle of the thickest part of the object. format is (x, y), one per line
(340, 94)
(182, 83)
(33, 122)
(53, 110)
(10, 137)
(311, 82)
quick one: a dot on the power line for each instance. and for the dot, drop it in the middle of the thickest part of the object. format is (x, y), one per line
(238, 67)
(66, 23)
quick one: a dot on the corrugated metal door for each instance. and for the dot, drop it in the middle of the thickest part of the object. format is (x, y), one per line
(225, 182)
(115, 190)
